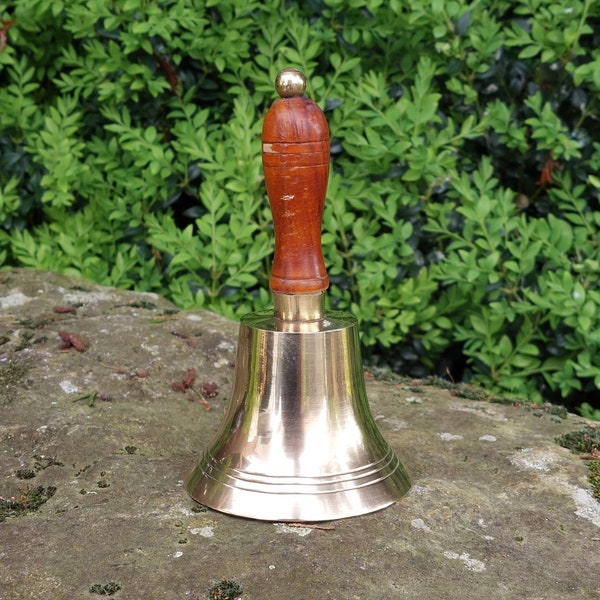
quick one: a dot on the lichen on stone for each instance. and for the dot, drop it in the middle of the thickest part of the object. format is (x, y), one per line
(11, 373)
(594, 477)
(106, 589)
(29, 500)
(225, 590)
(583, 441)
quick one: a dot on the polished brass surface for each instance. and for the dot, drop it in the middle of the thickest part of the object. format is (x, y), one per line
(299, 308)
(299, 442)
(290, 82)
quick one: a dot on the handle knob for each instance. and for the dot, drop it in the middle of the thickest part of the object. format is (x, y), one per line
(295, 154)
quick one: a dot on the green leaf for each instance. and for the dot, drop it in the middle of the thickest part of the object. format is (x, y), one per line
(529, 52)
(505, 346)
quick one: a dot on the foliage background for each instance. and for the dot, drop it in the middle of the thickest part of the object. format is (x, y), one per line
(462, 219)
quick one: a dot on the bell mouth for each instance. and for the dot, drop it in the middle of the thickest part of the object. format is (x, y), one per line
(304, 499)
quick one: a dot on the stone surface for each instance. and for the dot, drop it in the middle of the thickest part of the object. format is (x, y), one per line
(497, 510)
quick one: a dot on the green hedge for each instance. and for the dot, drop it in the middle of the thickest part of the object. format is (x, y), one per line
(462, 215)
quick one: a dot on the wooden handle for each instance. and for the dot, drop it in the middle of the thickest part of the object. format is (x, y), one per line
(295, 153)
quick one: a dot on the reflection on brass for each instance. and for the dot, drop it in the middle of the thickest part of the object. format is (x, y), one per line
(290, 82)
(295, 309)
(298, 442)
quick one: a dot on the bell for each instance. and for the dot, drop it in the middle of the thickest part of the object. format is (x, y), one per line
(298, 442)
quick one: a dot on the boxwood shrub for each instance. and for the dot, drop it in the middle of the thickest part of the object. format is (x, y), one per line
(462, 220)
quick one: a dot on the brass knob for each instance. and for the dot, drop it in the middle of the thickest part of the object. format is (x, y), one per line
(290, 82)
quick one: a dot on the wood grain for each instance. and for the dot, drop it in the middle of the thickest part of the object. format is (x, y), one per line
(296, 166)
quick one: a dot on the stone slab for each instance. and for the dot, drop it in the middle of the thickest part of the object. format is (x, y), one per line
(497, 509)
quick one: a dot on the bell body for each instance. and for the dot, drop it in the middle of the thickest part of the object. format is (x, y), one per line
(299, 442)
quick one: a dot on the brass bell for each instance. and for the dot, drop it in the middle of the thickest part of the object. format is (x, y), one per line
(298, 442)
